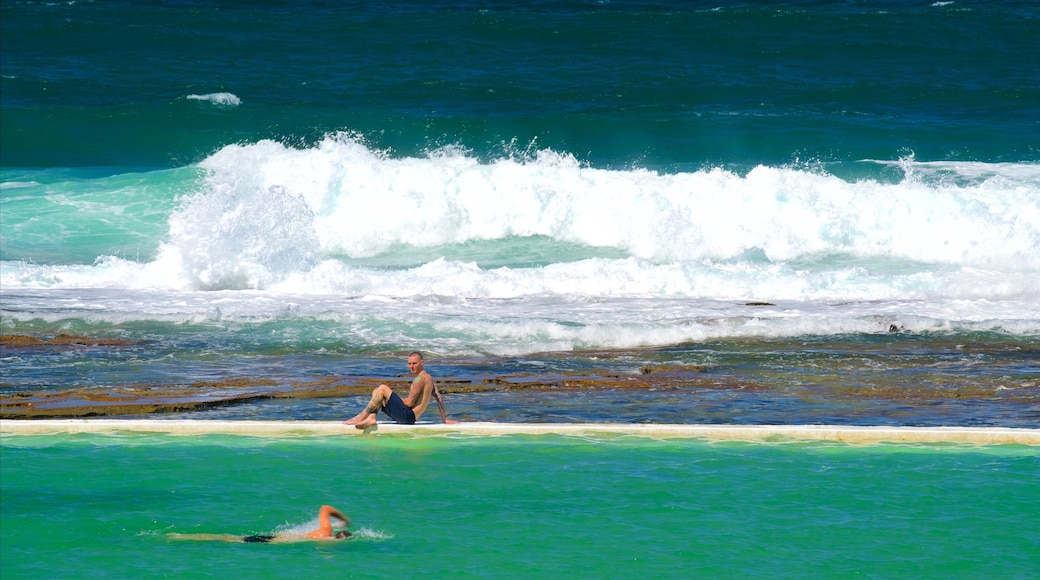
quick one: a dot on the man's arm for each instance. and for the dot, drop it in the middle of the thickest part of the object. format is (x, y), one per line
(329, 511)
(440, 405)
(325, 523)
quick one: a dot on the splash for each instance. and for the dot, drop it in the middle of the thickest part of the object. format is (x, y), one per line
(362, 533)
(371, 535)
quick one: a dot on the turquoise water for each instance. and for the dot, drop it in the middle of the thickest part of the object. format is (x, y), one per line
(518, 507)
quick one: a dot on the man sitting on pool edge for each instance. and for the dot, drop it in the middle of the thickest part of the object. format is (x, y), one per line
(405, 411)
(325, 531)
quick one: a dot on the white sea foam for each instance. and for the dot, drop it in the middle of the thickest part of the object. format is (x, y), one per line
(353, 235)
(270, 215)
(363, 203)
(224, 99)
(460, 325)
(332, 218)
(590, 278)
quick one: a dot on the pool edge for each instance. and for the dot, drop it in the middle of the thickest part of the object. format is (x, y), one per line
(842, 434)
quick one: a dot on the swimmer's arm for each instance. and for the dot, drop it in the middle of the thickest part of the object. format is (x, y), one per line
(328, 511)
(325, 522)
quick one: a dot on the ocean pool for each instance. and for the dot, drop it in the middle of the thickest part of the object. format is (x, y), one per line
(517, 506)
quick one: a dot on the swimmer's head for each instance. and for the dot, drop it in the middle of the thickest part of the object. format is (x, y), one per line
(342, 535)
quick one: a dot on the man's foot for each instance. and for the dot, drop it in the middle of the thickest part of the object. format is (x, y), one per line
(365, 423)
(356, 418)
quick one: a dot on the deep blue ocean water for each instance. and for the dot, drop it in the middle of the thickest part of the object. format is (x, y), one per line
(618, 84)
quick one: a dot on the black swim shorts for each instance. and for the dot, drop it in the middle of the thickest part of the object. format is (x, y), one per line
(259, 539)
(398, 411)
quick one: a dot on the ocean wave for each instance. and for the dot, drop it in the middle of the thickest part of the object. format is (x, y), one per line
(341, 198)
(343, 217)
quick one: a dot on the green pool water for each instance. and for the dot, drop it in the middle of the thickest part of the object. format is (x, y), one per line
(102, 506)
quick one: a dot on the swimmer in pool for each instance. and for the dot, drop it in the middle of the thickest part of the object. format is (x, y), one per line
(325, 531)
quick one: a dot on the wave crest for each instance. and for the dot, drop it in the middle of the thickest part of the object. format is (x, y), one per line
(223, 99)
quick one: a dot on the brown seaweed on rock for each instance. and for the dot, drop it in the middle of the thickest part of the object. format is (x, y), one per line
(21, 340)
